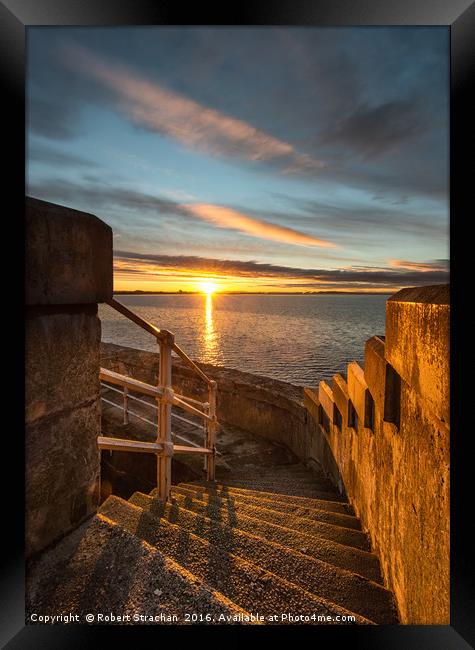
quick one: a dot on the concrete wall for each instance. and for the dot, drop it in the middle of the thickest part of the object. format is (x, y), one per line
(68, 271)
(394, 459)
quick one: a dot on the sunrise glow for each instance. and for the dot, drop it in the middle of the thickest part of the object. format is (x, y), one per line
(209, 190)
(208, 288)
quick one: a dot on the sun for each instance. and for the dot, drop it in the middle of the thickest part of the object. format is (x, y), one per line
(208, 288)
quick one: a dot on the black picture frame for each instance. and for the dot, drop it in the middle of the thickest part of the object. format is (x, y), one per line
(15, 17)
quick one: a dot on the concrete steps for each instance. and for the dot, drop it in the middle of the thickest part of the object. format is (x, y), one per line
(337, 585)
(298, 532)
(283, 479)
(330, 551)
(332, 501)
(282, 547)
(249, 586)
(286, 504)
(240, 499)
(104, 568)
(247, 504)
(290, 488)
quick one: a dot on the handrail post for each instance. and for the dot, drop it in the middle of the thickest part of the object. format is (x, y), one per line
(206, 437)
(126, 405)
(164, 434)
(211, 432)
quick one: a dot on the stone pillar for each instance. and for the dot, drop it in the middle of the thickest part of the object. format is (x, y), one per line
(418, 343)
(68, 272)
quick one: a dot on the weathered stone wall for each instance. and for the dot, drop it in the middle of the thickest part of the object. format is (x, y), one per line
(68, 271)
(394, 457)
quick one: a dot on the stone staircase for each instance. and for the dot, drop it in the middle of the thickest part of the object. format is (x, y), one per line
(280, 543)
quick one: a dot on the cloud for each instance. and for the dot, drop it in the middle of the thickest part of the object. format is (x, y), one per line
(192, 124)
(128, 261)
(423, 267)
(296, 97)
(55, 157)
(229, 218)
(374, 130)
(109, 197)
(368, 221)
(101, 196)
(52, 118)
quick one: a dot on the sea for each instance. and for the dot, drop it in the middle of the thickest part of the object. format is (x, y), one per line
(300, 339)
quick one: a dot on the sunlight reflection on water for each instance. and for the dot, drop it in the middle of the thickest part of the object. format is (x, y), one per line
(300, 339)
(209, 338)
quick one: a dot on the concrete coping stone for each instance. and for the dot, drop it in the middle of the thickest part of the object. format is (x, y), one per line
(68, 256)
(325, 397)
(339, 383)
(436, 294)
(357, 388)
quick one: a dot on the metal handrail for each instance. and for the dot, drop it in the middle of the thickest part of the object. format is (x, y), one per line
(182, 354)
(157, 333)
(166, 398)
(129, 382)
(127, 411)
(154, 424)
(142, 401)
(131, 315)
(137, 399)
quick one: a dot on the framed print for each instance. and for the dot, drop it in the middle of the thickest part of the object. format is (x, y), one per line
(241, 241)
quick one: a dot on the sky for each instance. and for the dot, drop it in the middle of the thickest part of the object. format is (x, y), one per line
(248, 159)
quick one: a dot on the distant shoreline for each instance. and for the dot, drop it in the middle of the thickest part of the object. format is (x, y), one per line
(255, 293)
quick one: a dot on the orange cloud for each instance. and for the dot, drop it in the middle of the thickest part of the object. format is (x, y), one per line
(434, 265)
(193, 124)
(229, 218)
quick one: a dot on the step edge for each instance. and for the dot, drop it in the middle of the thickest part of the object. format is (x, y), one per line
(274, 494)
(321, 536)
(300, 517)
(370, 555)
(250, 494)
(378, 586)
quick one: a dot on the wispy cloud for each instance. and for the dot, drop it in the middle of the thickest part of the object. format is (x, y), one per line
(51, 118)
(55, 157)
(102, 196)
(349, 220)
(224, 217)
(192, 124)
(130, 262)
(96, 196)
(374, 130)
(287, 97)
(423, 267)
